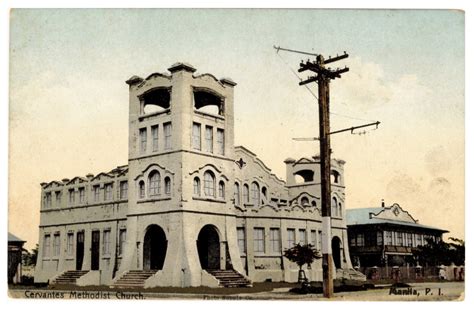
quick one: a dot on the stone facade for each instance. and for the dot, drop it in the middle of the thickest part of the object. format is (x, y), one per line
(188, 201)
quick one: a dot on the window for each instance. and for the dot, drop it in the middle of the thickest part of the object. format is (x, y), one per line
(258, 240)
(197, 136)
(82, 195)
(399, 238)
(209, 184)
(236, 194)
(209, 139)
(388, 238)
(333, 207)
(154, 184)
(379, 238)
(409, 240)
(339, 209)
(71, 197)
(106, 243)
(241, 239)
(221, 189)
(313, 238)
(46, 245)
(167, 131)
(96, 193)
(275, 241)
(57, 244)
(291, 233)
(197, 186)
(122, 240)
(167, 186)
(418, 240)
(352, 240)
(320, 239)
(58, 198)
(304, 201)
(370, 238)
(123, 190)
(360, 240)
(142, 140)
(255, 194)
(220, 141)
(70, 244)
(108, 192)
(141, 189)
(47, 199)
(303, 239)
(246, 194)
(154, 136)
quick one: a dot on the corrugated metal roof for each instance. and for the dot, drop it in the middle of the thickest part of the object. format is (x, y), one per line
(360, 216)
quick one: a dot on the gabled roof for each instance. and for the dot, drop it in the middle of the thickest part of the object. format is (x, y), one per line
(362, 216)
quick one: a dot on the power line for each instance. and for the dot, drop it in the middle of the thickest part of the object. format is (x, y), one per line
(309, 89)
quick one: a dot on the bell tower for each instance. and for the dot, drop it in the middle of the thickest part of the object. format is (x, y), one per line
(181, 175)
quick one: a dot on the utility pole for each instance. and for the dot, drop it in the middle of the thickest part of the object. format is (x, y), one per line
(323, 77)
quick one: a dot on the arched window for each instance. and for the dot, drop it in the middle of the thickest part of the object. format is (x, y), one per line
(209, 184)
(333, 207)
(313, 203)
(167, 186)
(246, 194)
(264, 194)
(340, 209)
(335, 176)
(255, 194)
(304, 201)
(221, 189)
(236, 194)
(197, 186)
(154, 184)
(141, 189)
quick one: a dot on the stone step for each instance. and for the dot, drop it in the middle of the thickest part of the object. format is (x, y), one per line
(133, 278)
(230, 278)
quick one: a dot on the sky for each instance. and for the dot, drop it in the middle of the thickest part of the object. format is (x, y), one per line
(68, 111)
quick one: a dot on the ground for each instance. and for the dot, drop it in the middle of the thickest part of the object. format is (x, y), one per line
(422, 291)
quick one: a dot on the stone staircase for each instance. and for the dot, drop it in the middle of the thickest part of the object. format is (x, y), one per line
(230, 278)
(133, 279)
(69, 277)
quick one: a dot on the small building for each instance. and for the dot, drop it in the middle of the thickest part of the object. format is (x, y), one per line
(385, 236)
(15, 248)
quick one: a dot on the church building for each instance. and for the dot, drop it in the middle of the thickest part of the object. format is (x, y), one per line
(190, 208)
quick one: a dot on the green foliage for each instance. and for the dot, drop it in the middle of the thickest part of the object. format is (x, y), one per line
(29, 259)
(440, 253)
(302, 254)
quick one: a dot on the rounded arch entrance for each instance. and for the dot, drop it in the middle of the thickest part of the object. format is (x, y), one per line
(154, 248)
(208, 245)
(336, 251)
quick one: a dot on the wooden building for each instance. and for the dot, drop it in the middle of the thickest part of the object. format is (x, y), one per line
(385, 236)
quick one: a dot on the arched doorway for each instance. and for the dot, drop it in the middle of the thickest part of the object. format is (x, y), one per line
(336, 251)
(154, 248)
(209, 247)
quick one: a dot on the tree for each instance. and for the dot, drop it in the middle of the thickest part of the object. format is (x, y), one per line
(29, 259)
(301, 255)
(440, 253)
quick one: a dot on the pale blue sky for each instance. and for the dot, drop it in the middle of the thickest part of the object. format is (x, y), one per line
(68, 107)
